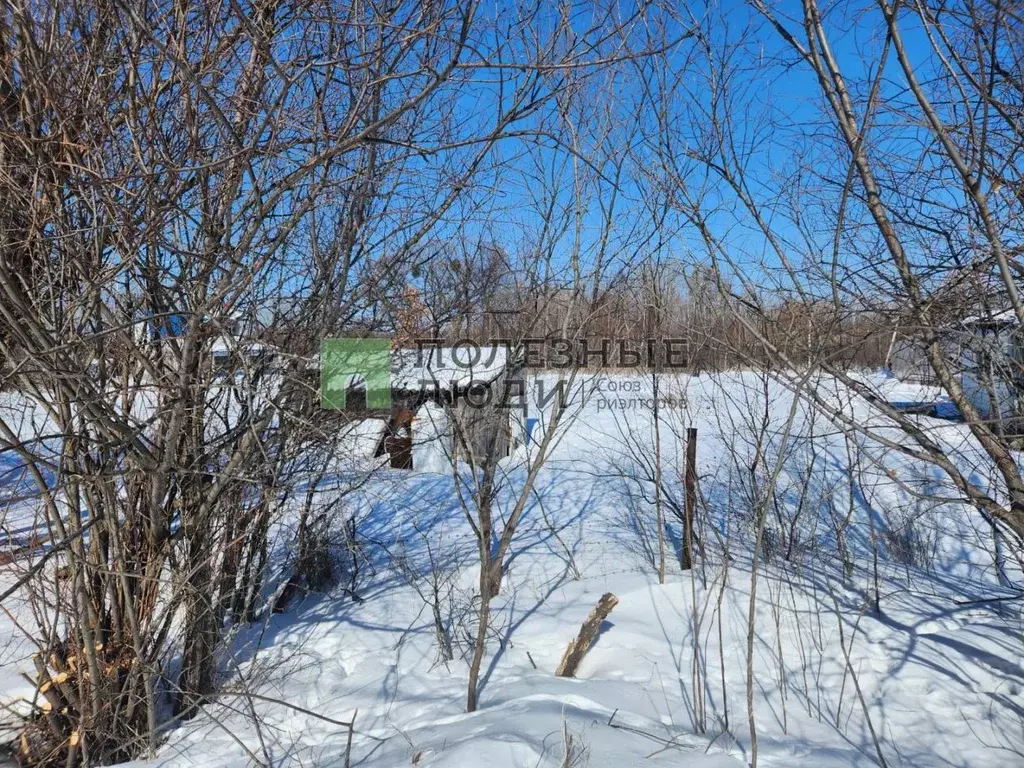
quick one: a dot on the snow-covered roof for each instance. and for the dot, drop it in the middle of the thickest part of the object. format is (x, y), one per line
(225, 345)
(1005, 318)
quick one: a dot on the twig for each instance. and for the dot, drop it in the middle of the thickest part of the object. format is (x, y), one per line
(989, 599)
(348, 743)
(289, 705)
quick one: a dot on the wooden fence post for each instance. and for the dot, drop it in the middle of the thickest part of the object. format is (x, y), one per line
(690, 480)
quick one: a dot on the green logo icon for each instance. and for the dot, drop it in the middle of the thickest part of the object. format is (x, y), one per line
(355, 362)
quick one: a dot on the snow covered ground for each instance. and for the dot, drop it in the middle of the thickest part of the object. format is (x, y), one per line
(933, 679)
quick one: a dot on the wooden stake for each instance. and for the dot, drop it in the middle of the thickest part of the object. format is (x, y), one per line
(578, 648)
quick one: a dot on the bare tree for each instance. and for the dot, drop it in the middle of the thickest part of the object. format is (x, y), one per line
(193, 196)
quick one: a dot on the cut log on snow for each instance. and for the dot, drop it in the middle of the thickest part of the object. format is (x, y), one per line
(588, 632)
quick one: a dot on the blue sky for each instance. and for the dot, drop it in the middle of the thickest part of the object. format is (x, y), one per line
(524, 195)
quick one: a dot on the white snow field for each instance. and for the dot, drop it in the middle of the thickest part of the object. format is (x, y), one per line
(936, 679)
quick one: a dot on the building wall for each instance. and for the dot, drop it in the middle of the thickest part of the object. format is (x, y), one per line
(991, 374)
(485, 419)
(909, 361)
(480, 416)
(987, 362)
